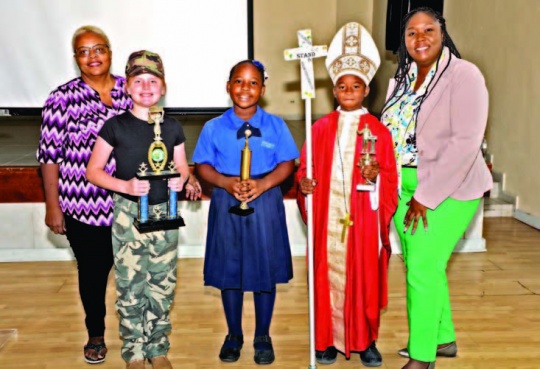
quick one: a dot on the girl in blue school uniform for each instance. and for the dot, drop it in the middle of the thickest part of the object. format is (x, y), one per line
(246, 253)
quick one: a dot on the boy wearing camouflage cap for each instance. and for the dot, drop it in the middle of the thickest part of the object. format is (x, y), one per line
(145, 264)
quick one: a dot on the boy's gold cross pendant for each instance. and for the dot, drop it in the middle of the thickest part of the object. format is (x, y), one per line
(347, 222)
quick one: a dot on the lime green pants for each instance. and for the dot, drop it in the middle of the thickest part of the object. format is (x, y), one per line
(426, 255)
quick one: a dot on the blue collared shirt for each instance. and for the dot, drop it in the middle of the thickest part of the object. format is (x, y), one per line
(219, 146)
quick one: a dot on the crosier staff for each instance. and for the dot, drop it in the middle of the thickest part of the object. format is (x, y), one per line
(306, 53)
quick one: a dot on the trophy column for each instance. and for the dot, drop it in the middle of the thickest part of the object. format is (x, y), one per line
(243, 208)
(158, 219)
(368, 151)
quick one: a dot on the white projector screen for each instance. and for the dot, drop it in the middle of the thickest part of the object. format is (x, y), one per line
(198, 40)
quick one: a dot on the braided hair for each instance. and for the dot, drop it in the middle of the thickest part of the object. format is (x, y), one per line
(405, 60)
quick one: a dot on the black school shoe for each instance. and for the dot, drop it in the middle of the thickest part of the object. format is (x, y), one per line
(371, 356)
(266, 356)
(231, 354)
(326, 357)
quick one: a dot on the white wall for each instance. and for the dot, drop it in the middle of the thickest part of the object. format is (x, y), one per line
(26, 238)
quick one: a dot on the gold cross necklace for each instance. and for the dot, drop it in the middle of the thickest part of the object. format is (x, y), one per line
(346, 220)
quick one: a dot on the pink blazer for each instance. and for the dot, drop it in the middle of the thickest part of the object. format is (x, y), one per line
(449, 133)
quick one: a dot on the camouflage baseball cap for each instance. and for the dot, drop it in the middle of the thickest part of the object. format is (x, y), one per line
(144, 61)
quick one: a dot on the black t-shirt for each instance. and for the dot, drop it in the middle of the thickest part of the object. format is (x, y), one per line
(130, 138)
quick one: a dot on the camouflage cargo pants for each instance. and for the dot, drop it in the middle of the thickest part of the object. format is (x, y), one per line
(145, 267)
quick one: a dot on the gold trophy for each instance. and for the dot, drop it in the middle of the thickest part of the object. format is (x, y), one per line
(368, 151)
(243, 209)
(157, 159)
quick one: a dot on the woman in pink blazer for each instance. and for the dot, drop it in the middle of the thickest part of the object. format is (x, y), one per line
(436, 110)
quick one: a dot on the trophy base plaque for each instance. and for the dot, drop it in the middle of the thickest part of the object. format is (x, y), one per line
(164, 174)
(152, 225)
(159, 222)
(239, 210)
(365, 187)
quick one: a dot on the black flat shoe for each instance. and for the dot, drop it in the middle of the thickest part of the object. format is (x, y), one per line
(327, 356)
(266, 356)
(447, 351)
(231, 354)
(371, 356)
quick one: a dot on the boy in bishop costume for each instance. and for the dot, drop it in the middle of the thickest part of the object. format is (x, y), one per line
(351, 227)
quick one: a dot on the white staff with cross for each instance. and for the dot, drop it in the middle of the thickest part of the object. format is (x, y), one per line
(306, 53)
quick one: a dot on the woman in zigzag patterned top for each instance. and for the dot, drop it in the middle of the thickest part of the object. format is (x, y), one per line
(71, 119)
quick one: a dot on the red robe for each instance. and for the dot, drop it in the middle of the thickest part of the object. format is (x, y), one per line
(366, 291)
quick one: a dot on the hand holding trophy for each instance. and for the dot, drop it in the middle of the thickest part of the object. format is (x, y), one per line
(367, 154)
(243, 209)
(157, 159)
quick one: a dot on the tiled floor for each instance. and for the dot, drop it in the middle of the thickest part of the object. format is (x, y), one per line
(19, 137)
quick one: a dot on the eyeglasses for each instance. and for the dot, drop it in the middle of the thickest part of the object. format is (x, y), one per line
(84, 52)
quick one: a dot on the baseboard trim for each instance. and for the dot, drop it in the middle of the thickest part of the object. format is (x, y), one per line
(464, 245)
(25, 237)
(26, 255)
(468, 245)
(29, 255)
(527, 218)
(471, 245)
(197, 251)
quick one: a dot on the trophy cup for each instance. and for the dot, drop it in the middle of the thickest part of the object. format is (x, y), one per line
(243, 209)
(368, 150)
(160, 219)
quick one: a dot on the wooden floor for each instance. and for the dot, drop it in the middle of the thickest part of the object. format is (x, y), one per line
(495, 295)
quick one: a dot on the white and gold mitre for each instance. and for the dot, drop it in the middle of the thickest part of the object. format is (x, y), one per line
(353, 51)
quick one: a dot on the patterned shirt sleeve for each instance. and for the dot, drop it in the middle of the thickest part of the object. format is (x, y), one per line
(53, 129)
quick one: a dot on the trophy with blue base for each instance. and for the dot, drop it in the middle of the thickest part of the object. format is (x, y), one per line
(159, 219)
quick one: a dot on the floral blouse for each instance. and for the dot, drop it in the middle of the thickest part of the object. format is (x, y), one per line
(402, 113)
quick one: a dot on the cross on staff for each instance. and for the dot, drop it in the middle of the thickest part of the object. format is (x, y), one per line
(306, 53)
